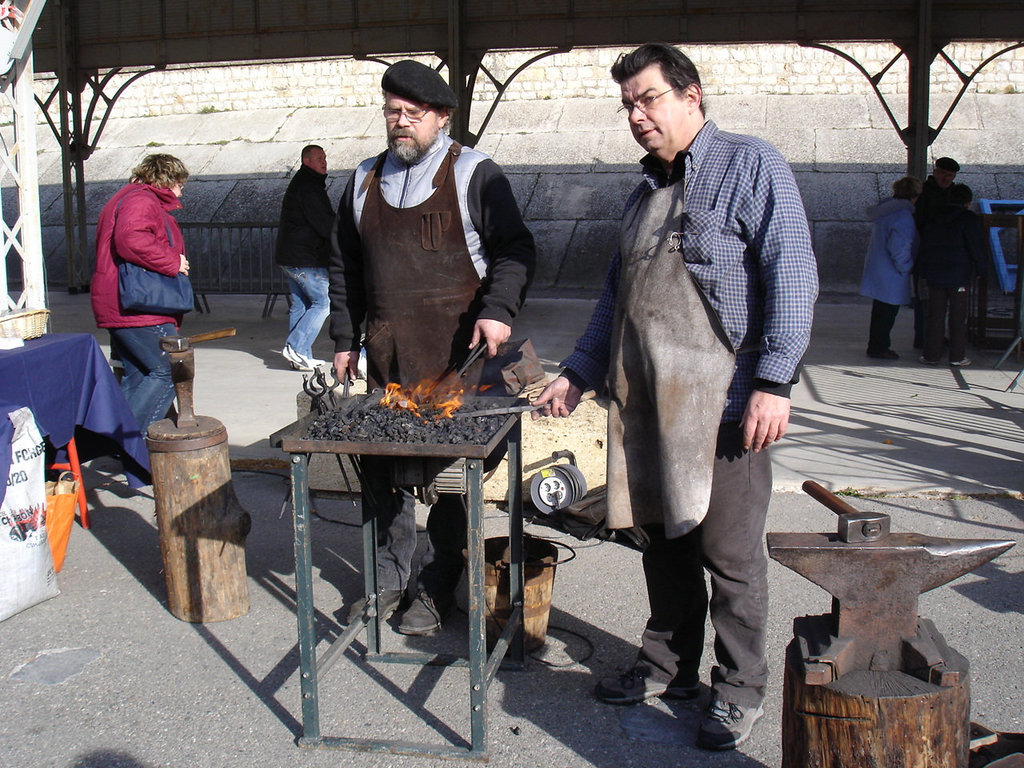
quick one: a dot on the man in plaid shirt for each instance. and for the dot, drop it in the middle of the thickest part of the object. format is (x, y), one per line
(699, 332)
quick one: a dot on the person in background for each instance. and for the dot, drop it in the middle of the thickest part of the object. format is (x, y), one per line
(889, 263)
(699, 331)
(952, 248)
(935, 193)
(136, 225)
(433, 259)
(303, 250)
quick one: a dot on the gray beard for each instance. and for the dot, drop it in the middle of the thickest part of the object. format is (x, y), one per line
(408, 153)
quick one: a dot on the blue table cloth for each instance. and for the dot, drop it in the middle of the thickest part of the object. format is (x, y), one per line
(66, 381)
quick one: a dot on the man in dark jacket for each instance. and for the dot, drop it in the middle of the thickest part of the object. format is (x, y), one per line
(935, 194)
(303, 250)
(951, 250)
(936, 189)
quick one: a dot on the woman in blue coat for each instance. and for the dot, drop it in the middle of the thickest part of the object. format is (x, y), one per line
(889, 262)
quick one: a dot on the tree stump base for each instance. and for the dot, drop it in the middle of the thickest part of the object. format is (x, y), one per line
(874, 719)
(202, 526)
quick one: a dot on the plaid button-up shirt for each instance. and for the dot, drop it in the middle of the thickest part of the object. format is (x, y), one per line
(744, 237)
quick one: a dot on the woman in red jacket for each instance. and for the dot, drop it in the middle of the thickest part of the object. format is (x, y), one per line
(135, 225)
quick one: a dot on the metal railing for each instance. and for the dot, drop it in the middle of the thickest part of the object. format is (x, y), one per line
(233, 259)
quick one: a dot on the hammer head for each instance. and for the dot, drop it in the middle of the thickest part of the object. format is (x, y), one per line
(863, 526)
(174, 343)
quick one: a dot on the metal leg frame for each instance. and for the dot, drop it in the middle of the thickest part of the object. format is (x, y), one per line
(482, 668)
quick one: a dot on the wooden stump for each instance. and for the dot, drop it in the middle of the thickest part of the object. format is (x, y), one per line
(874, 719)
(202, 526)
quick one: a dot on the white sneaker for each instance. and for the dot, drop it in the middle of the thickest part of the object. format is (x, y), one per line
(291, 356)
(300, 362)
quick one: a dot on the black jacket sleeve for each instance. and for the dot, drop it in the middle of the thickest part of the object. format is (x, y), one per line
(347, 288)
(509, 246)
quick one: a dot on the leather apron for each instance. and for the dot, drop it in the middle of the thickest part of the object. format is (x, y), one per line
(670, 370)
(423, 292)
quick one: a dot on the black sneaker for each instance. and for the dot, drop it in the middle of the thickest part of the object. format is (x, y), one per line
(727, 725)
(638, 684)
(425, 614)
(387, 603)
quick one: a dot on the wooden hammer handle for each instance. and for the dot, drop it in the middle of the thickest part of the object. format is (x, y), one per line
(829, 499)
(211, 335)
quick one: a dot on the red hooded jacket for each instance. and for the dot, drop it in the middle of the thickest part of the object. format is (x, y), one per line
(136, 230)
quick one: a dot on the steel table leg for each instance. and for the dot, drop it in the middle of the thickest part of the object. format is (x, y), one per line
(515, 537)
(304, 599)
(370, 580)
(477, 603)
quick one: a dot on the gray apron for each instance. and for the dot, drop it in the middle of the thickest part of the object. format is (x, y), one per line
(670, 369)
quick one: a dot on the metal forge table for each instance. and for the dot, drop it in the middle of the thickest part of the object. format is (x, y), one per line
(460, 469)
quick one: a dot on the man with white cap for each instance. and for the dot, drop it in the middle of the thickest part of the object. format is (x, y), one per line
(434, 259)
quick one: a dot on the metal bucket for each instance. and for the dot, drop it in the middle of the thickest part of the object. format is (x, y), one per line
(540, 558)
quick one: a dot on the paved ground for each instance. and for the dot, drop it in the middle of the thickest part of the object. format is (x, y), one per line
(103, 676)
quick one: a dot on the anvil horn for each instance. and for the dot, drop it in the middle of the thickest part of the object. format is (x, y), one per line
(952, 558)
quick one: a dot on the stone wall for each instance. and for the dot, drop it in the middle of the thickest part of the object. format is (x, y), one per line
(581, 73)
(569, 156)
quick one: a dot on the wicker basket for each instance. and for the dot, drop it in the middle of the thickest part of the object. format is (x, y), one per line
(29, 324)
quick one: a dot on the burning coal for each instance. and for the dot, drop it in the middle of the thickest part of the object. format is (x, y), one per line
(370, 420)
(423, 400)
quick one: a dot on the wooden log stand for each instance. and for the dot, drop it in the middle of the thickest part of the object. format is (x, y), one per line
(874, 719)
(201, 524)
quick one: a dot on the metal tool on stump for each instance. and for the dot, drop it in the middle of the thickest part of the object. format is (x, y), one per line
(202, 526)
(872, 683)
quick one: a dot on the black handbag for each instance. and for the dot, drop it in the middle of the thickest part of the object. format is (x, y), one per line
(143, 290)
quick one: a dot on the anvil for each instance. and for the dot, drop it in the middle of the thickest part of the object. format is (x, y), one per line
(875, 585)
(183, 370)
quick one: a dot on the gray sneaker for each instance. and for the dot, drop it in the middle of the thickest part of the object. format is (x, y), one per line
(638, 684)
(727, 725)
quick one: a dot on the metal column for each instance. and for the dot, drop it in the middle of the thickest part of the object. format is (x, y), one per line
(919, 135)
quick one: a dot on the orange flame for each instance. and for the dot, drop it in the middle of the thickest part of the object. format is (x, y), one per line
(423, 396)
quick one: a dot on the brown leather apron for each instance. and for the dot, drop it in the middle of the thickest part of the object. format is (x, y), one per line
(670, 369)
(422, 288)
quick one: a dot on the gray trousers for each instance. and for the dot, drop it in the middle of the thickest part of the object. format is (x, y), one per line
(729, 545)
(395, 507)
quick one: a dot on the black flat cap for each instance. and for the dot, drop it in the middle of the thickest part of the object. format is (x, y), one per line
(418, 82)
(947, 164)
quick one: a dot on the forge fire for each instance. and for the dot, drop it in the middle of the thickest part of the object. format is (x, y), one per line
(424, 400)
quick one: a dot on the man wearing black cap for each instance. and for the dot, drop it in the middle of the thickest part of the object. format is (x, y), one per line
(936, 189)
(934, 195)
(434, 259)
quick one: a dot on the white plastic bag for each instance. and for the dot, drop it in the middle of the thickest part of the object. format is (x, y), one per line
(26, 565)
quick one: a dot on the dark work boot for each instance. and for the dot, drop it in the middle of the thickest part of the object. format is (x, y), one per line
(425, 614)
(387, 603)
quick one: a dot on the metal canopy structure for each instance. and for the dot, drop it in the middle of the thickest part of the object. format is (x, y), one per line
(87, 44)
(123, 33)
(21, 240)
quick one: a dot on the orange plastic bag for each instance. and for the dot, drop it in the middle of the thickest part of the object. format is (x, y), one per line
(61, 496)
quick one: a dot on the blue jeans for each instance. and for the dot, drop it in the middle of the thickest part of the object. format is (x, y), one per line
(309, 306)
(146, 383)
